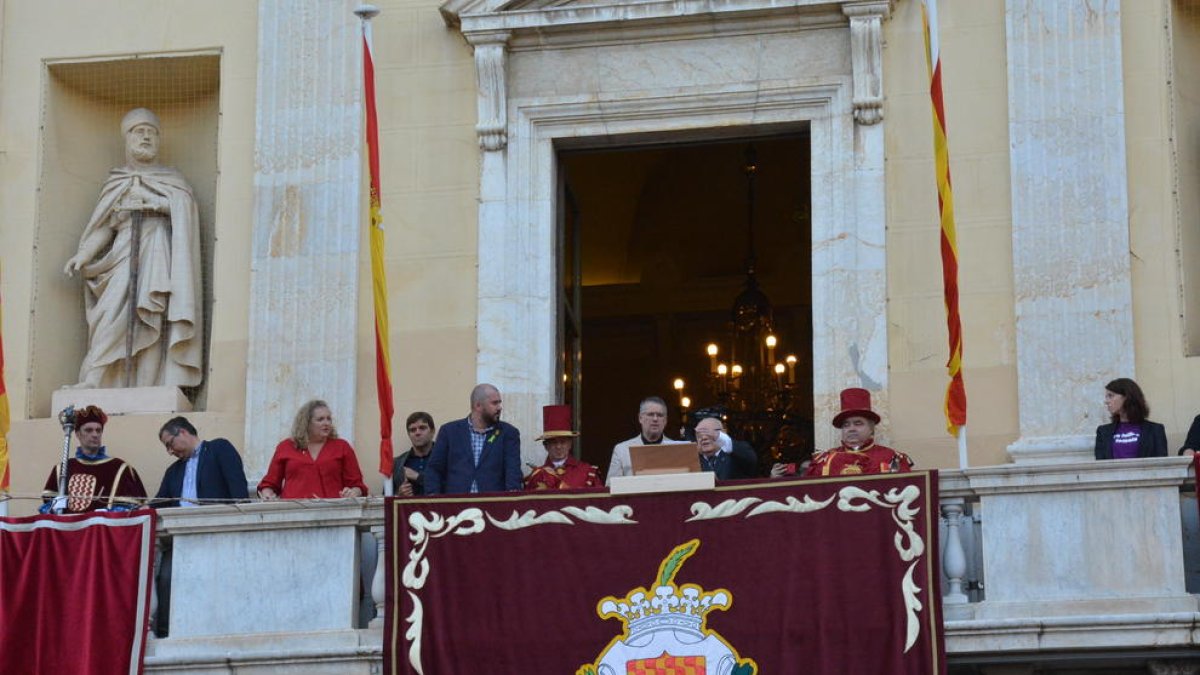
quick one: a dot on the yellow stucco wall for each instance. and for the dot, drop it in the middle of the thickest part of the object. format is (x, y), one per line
(425, 74)
(975, 93)
(109, 31)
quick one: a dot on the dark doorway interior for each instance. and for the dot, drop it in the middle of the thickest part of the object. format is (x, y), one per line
(653, 253)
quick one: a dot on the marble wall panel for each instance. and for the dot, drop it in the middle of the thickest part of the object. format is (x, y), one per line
(1070, 219)
(307, 220)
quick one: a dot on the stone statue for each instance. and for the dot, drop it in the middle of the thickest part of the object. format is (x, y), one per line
(144, 302)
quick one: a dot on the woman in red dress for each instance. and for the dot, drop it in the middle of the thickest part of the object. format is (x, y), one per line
(313, 463)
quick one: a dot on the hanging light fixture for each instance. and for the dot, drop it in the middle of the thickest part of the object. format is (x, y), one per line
(748, 384)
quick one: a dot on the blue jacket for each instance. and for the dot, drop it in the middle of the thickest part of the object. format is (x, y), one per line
(219, 476)
(451, 468)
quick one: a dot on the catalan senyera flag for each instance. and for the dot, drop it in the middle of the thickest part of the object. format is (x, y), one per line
(956, 392)
(4, 419)
(383, 359)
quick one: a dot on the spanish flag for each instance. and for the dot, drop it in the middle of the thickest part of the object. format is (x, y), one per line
(383, 359)
(956, 393)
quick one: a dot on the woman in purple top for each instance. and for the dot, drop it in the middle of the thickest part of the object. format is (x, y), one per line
(1130, 434)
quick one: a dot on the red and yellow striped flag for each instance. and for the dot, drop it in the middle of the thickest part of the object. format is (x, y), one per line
(383, 359)
(4, 419)
(956, 393)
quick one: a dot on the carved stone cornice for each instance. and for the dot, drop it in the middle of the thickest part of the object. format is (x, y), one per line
(491, 74)
(496, 27)
(866, 56)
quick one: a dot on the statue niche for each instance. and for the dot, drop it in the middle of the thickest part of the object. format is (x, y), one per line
(139, 258)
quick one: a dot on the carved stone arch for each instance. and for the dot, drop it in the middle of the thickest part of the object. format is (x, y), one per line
(593, 71)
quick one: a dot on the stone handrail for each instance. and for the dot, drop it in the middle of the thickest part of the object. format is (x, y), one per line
(1086, 554)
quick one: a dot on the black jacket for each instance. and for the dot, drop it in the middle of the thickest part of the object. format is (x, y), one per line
(1152, 443)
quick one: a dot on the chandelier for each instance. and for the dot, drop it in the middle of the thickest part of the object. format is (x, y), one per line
(751, 382)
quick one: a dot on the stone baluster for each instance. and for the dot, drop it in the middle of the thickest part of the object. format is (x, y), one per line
(954, 558)
(379, 581)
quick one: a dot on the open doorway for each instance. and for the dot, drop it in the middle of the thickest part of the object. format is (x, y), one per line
(653, 250)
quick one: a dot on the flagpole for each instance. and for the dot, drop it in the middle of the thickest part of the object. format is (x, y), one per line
(5, 423)
(962, 447)
(956, 391)
(383, 359)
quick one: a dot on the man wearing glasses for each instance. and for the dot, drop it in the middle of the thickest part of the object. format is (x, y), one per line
(203, 470)
(652, 416)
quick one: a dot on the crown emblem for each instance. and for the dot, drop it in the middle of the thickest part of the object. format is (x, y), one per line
(667, 625)
(668, 606)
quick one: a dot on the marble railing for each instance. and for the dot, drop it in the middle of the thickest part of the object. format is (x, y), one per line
(1064, 556)
(1087, 556)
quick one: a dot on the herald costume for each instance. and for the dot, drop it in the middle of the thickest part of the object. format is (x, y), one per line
(870, 457)
(96, 482)
(569, 473)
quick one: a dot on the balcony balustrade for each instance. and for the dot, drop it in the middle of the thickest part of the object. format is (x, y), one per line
(1087, 563)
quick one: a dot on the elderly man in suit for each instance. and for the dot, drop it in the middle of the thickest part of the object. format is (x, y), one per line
(202, 470)
(722, 455)
(478, 453)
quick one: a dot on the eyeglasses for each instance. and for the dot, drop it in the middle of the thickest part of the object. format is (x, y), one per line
(170, 439)
(653, 414)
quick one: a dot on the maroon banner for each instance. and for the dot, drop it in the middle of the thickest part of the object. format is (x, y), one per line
(816, 576)
(75, 592)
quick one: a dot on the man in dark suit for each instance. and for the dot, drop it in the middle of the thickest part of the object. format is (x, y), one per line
(476, 454)
(202, 470)
(727, 458)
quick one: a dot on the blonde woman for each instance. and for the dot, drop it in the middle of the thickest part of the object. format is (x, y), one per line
(313, 462)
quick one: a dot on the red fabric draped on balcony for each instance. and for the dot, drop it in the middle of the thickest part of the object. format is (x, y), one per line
(819, 576)
(75, 592)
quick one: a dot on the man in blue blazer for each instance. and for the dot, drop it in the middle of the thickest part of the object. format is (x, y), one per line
(202, 470)
(476, 454)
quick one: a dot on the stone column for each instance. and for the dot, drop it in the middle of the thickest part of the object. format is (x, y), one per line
(1070, 230)
(516, 312)
(307, 220)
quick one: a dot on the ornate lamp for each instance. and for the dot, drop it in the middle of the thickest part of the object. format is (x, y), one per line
(748, 384)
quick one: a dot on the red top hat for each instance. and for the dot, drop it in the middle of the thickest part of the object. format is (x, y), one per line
(856, 402)
(91, 413)
(556, 422)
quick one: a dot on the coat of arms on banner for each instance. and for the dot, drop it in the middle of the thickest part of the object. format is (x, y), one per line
(665, 631)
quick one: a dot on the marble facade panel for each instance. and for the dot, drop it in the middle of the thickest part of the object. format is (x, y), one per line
(307, 216)
(1074, 317)
(596, 74)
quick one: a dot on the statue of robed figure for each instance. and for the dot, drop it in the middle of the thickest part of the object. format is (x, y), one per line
(139, 257)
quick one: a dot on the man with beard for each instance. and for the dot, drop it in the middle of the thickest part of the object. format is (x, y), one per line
(149, 286)
(478, 453)
(652, 417)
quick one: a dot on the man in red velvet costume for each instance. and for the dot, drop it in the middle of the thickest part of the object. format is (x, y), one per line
(95, 481)
(858, 453)
(562, 471)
